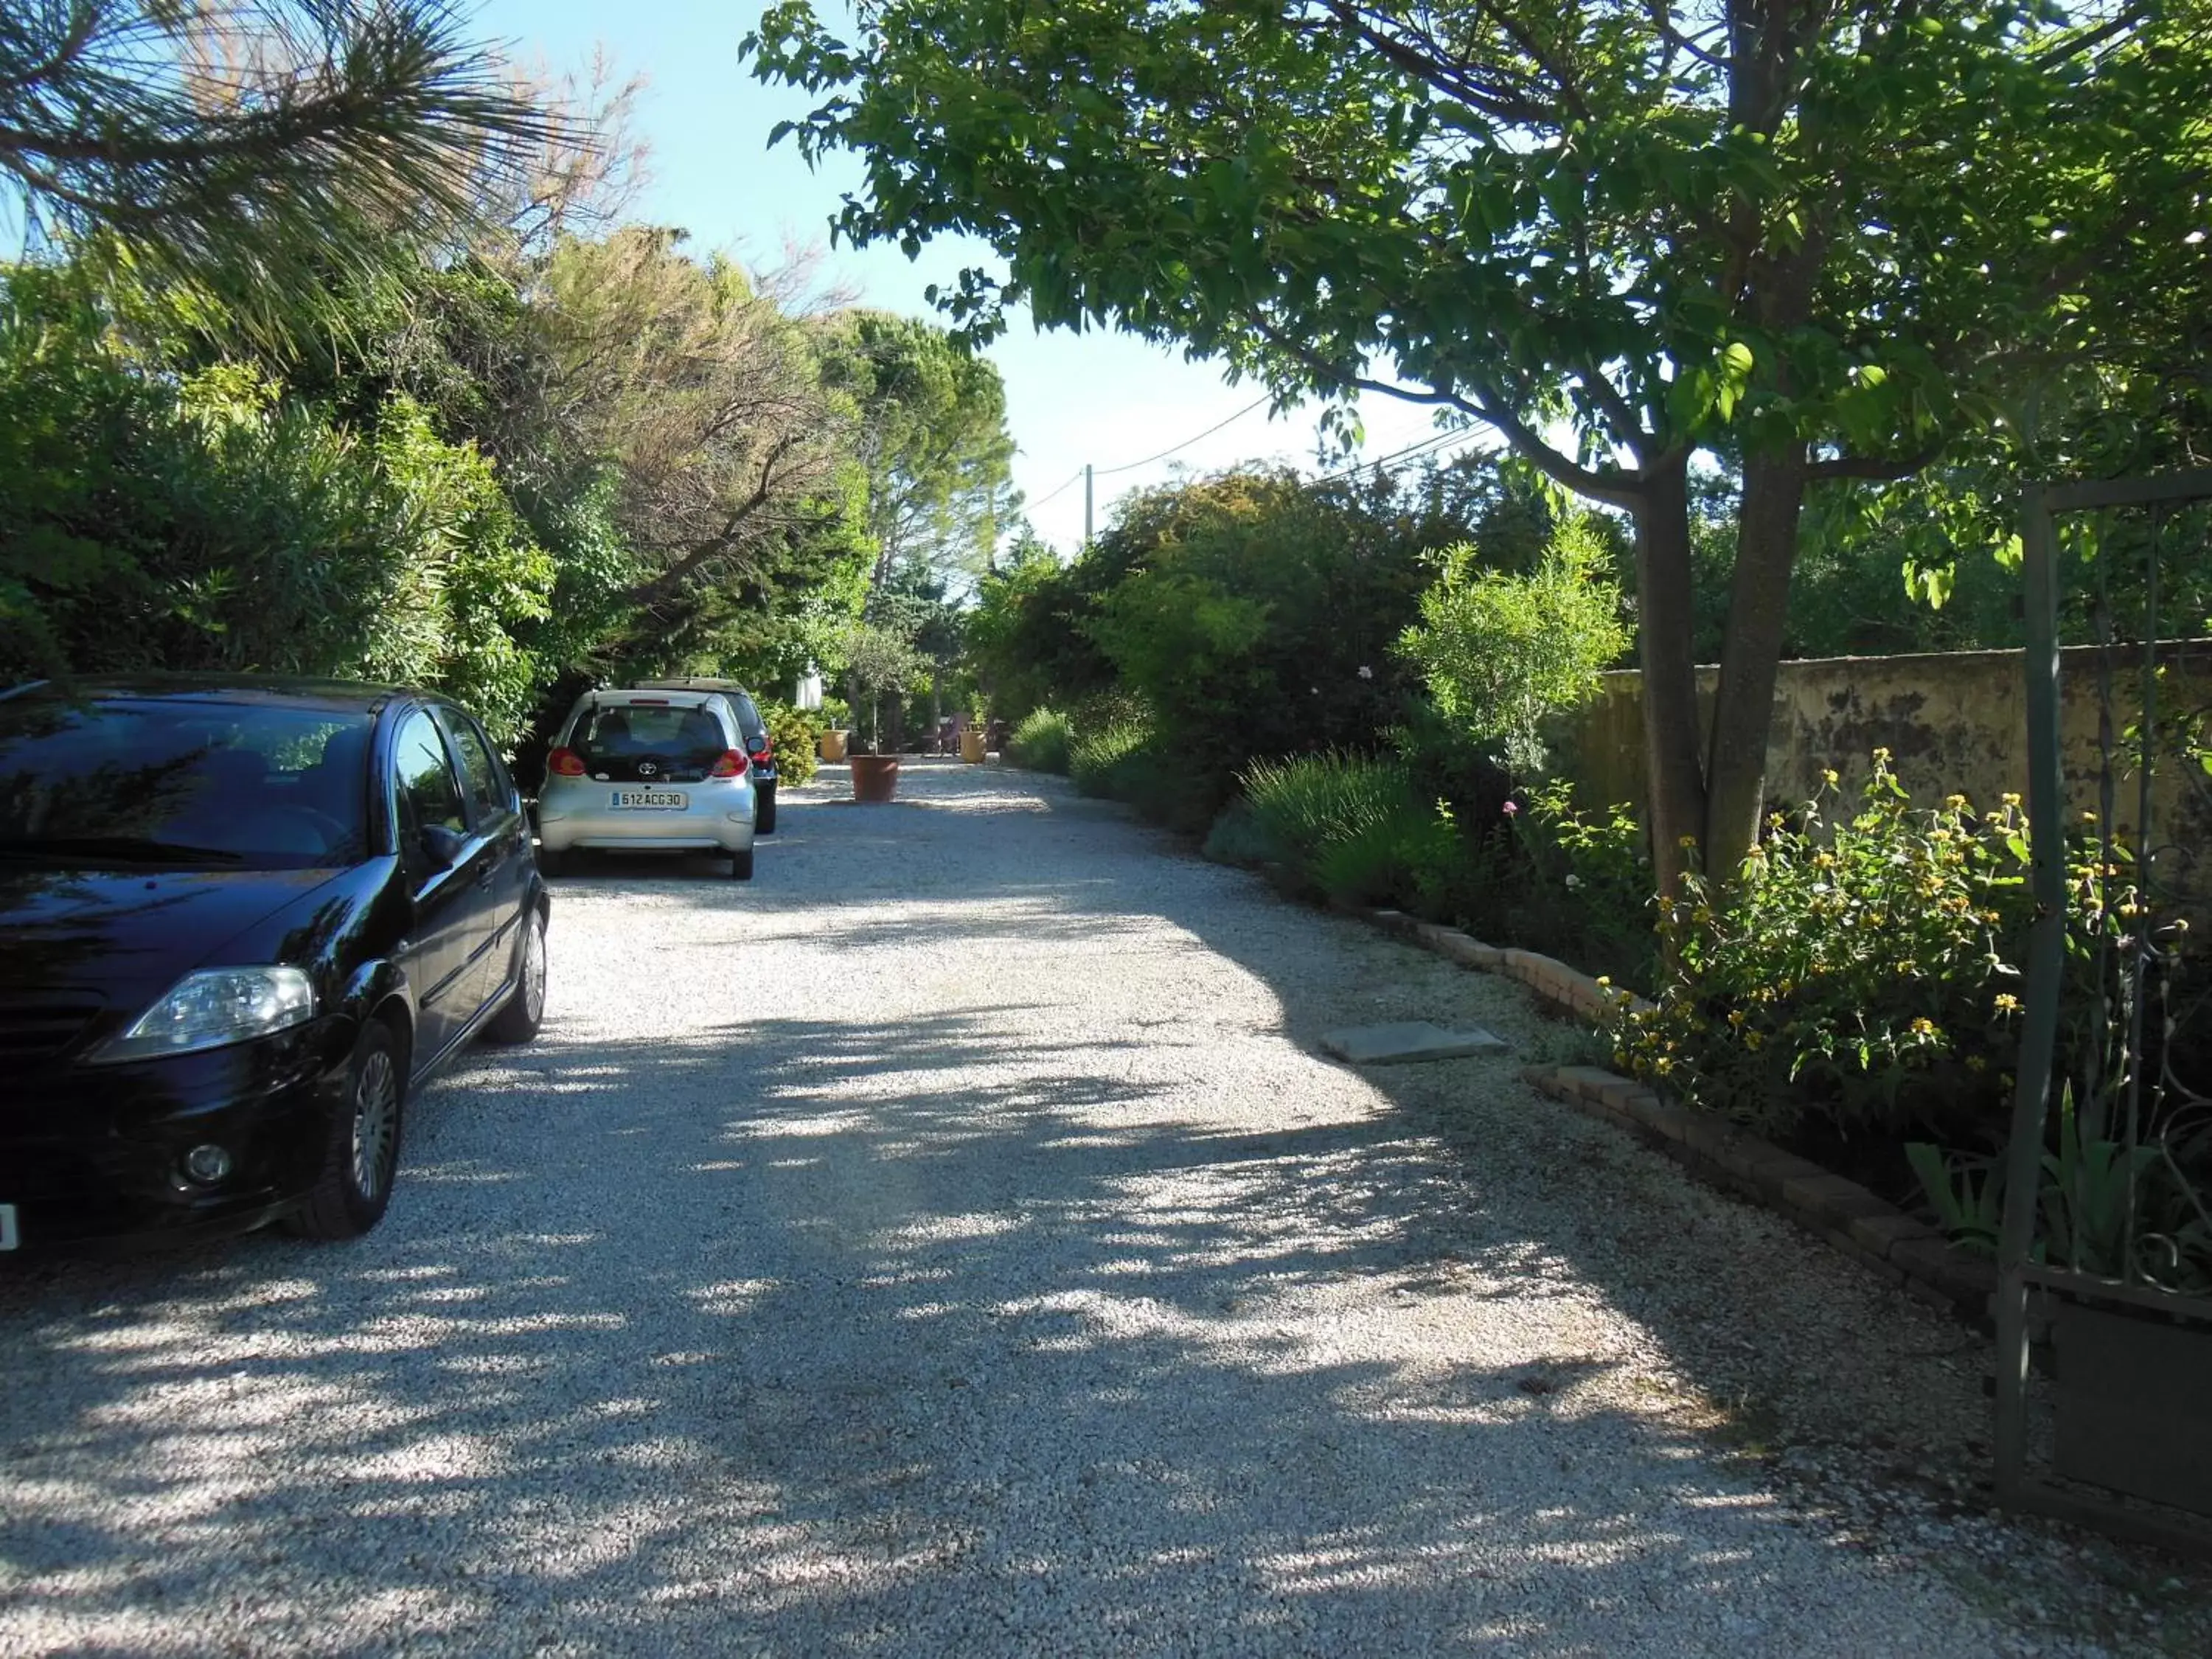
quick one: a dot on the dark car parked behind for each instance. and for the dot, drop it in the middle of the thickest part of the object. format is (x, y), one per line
(239, 919)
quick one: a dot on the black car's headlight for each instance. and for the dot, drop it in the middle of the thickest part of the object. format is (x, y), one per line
(213, 1007)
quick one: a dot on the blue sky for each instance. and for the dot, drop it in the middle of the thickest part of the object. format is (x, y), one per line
(1104, 398)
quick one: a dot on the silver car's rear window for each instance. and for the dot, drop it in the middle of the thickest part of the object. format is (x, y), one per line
(686, 737)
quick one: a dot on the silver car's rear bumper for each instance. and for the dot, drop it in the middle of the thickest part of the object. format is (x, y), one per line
(581, 812)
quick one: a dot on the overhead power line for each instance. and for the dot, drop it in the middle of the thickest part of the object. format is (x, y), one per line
(1131, 466)
(1060, 490)
(1424, 446)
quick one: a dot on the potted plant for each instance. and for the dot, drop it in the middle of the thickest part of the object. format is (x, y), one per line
(879, 659)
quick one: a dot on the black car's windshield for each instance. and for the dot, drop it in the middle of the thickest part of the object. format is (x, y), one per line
(185, 782)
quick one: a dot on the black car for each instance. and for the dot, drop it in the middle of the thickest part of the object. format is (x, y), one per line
(239, 919)
(759, 750)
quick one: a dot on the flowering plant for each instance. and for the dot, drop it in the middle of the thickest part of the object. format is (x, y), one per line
(1862, 972)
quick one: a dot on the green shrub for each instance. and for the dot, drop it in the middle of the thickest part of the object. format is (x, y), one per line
(1578, 885)
(1863, 974)
(1403, 856)
(1238, 837)
(1042, 742)
(794, 734)
(1104, 759)
(1304, 804)
(1503, 652)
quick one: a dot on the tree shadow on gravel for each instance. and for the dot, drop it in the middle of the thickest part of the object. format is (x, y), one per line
(964, 1333)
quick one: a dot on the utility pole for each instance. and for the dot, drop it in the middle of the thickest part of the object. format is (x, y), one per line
(1086, 505)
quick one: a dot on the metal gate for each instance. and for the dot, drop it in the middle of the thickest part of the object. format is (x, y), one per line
(2107, 1243)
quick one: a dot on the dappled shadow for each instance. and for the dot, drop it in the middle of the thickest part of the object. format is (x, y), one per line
(889, 1300)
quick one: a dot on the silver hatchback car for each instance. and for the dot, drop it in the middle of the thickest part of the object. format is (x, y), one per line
(649, 770)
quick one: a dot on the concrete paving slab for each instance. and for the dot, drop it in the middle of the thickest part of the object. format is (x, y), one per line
(1390, 1045)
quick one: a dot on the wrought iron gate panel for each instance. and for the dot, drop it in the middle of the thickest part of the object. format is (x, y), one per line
(2135, 892)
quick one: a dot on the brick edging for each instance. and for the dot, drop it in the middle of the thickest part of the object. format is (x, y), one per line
(1874, 1232)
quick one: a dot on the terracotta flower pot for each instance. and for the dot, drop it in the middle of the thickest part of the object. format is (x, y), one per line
(875, 778)
(832, 745)
(971, 747)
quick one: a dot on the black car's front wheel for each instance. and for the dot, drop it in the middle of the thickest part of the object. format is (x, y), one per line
(741, 865)
(362, 1152)
(764, 810)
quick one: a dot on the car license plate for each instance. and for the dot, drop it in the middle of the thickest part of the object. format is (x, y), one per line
(653, 801)
(10, 1238)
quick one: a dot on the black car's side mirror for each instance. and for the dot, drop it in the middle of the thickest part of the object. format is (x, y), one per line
(442, 847)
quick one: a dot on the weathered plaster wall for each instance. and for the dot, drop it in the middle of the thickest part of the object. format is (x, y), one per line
(1956, 721)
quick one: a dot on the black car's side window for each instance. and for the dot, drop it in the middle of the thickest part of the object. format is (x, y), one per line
(487, 787)
(749, 721)
(429, 795)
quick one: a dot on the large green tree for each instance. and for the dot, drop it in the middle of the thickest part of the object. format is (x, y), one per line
(1816, 238)
(931, 442)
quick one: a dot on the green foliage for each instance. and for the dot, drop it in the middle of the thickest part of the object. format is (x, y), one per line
(1042, 742)
(1577, 884)
(2104, 1207)
(1251, 614)
(1238, 837)
(205, 520)
(1109, 759)
(795, 735)
(1503, 653)
(1303, 805)
(879, 658)
(1026, 637)
(1862, 974)
(1401, 856)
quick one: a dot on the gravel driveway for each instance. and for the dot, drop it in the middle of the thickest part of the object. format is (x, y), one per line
(952, 1243)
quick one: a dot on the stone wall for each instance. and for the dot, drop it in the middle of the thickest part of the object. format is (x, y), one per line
(1953, 721)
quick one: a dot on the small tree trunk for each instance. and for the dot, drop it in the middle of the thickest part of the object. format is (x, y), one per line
(1759, 616)
(1674, 774)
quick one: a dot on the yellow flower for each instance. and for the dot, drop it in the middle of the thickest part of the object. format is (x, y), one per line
(1828, 776)
(1662, 1066)
(1881, 756)
(1954, 803)
(2088, 817)
(1751, 1040)
(1735, 1017)
(2007, 1003)
(1686, 843)
(2009, 800)
(1604, 980)
(1924, 1027)
(1976, 1063)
